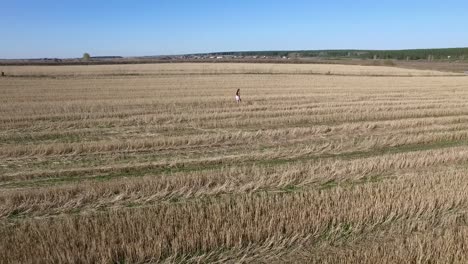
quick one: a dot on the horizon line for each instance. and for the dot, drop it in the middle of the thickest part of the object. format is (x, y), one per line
(234, 51)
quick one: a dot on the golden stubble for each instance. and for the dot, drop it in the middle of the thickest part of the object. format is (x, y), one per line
(157, 163)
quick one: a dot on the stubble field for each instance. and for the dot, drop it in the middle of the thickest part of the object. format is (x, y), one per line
(157, 163)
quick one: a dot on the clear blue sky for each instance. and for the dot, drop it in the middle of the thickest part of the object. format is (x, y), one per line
(68, 28)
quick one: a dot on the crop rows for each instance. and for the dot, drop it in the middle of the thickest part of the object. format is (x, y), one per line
(157, 163)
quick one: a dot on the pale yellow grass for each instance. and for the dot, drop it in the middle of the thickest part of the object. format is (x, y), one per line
(157, 163)
(216, 68)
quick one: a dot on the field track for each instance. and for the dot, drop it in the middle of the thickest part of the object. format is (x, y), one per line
(157, 163)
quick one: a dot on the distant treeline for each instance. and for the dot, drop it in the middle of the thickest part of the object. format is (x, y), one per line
(410, 54)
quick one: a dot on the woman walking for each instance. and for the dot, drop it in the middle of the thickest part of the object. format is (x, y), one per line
(238, 99)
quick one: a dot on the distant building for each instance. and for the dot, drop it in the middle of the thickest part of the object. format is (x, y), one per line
(106, 57)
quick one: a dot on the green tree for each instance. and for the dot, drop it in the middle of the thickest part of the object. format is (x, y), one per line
(86, 57)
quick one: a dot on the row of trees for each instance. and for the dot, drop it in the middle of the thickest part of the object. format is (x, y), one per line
(411, 54)
(418, 54)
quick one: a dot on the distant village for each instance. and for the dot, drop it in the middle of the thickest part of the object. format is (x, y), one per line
(220, 57)
(145, 59)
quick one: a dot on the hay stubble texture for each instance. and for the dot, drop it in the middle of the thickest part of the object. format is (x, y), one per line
(157, 163)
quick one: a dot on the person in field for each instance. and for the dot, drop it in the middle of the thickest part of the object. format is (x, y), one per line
(238, 99)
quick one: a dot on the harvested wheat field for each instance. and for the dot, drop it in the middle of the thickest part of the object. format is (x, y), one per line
(157, 163)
